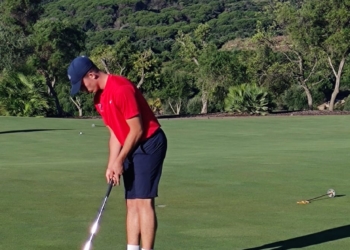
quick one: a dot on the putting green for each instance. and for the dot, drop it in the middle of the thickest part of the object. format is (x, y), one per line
(227, 184)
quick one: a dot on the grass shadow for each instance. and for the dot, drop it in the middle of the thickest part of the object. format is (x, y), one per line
(27, 131)
(339, 195)
(308, 240)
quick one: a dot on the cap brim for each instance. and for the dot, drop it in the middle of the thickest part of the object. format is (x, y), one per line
(75, 88)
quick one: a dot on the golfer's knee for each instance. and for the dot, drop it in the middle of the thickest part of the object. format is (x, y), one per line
(138, 205)
(145, 204)
(132, 206)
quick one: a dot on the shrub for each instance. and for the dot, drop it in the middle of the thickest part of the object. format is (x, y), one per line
(295, 98)
(248, 98)
(347, 104)
(194, 105)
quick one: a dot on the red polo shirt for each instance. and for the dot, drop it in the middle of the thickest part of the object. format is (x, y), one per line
(119, 101)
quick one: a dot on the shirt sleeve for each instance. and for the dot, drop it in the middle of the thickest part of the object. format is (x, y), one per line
(126, 101)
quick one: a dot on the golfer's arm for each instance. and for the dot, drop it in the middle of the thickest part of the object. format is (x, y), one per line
(114, 148)
(134, 136)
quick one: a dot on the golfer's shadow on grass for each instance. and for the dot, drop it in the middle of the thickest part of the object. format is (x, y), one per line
(321, 237)
(27, 131)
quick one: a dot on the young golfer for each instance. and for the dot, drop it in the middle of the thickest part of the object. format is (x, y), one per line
(137, 145)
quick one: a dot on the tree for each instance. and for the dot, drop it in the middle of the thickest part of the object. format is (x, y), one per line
(123, 59)
(214, 68)
(81, 104)
(193, 44)
(177, 88)
(154, 23)
(335, 35)
(117, 58)
(288, 36)
(21, 14)
(12, 48)
(219, 71)
(146, 67)
(265, 68)
(17, 18)
(77, 102)
(55, 44)
(323, 25)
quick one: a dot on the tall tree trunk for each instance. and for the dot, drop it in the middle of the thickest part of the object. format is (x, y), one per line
(171, 106)
(78, 105)
(142, 78)
(337, 82)
(334, 94)
(204, 102)
(309, 97)
(177, 106)
(50, 84)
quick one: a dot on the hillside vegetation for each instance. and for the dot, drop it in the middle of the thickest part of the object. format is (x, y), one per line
(187, 57)
(155, 23)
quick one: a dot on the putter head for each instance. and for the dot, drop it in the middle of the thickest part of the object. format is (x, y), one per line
(331, 193)
(303, 202)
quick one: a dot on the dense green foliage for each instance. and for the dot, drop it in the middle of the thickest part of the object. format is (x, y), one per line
(23, 95)
(184, 56)
(155, 23)
(248, 98)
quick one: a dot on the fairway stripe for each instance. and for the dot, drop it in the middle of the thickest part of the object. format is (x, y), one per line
(46, 163)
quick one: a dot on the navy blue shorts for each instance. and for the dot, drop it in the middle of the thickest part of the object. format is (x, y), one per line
(143, 167)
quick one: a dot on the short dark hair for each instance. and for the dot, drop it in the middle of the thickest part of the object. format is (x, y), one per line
(94, 68)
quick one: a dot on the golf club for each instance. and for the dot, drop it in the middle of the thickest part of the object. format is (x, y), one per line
(330, 193)
(94, 227)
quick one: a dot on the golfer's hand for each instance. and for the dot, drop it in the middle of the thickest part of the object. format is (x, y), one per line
(109, 174)
(113, 173)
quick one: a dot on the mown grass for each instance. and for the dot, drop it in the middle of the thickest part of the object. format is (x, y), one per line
(227, 184)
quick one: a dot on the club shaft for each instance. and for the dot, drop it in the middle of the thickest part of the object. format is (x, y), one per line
(110, 186)
(318, 197)
(102, 206)
(91, 237)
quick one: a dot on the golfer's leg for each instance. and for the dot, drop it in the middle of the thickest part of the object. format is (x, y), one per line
(148, 163)
(148, 222)
(132, 222)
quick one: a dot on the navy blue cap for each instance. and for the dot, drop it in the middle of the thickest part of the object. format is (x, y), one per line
(76, 72)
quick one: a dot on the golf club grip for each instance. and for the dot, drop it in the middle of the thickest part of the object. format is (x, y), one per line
(110, 186)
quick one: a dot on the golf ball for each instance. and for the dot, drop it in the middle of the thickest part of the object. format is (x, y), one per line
(81, 133)
(331, 193)
(93, 125)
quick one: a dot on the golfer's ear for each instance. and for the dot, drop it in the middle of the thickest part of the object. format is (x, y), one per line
(90, 74)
